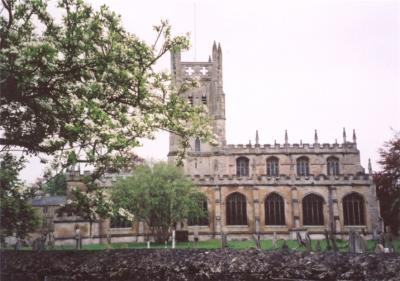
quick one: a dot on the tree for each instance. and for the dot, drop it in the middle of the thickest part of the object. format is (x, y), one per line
(16, 214)
(388, 183)
(82, 89)
(56, 185)
(159, 195)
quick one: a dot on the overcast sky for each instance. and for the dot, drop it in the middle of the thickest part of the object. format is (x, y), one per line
(295, 65)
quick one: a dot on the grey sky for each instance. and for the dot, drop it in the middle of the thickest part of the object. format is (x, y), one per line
(295, 65)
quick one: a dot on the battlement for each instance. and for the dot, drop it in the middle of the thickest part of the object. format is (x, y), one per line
(348, 179)
(347, 147)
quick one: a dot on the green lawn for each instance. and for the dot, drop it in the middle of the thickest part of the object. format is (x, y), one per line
(213, 244)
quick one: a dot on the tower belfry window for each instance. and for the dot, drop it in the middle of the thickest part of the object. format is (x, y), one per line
(333, 166)
(204, 99)
(303, 166)
(272, 167)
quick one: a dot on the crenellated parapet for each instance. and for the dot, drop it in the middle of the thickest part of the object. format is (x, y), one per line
(289, 180)
(302, 148)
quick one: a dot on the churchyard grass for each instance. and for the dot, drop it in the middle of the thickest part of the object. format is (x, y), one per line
(214, 244)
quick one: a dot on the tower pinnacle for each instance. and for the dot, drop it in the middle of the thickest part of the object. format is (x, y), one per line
(286, 138)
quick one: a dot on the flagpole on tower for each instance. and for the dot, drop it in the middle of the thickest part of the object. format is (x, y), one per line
(195, 31)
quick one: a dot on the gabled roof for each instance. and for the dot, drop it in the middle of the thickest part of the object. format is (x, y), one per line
(49, 200)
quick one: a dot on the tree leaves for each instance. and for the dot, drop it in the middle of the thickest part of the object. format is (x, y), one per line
(83, 89)
(388, 183)
(160, 195)
(16, 215)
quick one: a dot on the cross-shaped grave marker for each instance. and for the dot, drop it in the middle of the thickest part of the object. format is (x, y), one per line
(189, 70)
(204, 71)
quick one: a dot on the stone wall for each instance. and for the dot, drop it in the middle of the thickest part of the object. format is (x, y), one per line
(194, 264)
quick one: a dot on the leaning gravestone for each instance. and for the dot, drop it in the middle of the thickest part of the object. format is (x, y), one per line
(256, 240)
(300, 240)
(307, 242)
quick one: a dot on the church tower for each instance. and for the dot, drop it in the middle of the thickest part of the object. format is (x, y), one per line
(210, 93)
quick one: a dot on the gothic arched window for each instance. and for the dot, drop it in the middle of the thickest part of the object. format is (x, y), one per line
(353, 209)
(242, 167)
(303, 166)
(197, 145)
(272, 167)
(313, 210)
(274, 210)
(236, 213)
(200, 220)
(333, 166)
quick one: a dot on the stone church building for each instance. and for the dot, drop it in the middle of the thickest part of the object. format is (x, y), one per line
(251, 188)
(267, 188)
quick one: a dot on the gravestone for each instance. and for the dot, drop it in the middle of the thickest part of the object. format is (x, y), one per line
(328, 243)
(108, 238)
(381, 239)
(285, 247)
(224, 242)
(379, 249)
(182, 236)
(78, 238)
(307, 242)
(18, 244)
(332, 239)
(300, 240)
(318, 246)
(389, 242)
(375, 235)
(352, 243)
(196, 235)
(39, 244)
(357, 244)
(256, 240)
(173, 239)
(51, 241)
(362, 244)
(274, 241)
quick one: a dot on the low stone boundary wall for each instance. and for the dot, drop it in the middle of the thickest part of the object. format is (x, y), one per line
(195, 264)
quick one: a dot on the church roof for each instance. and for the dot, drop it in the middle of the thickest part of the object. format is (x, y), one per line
(48, 200)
